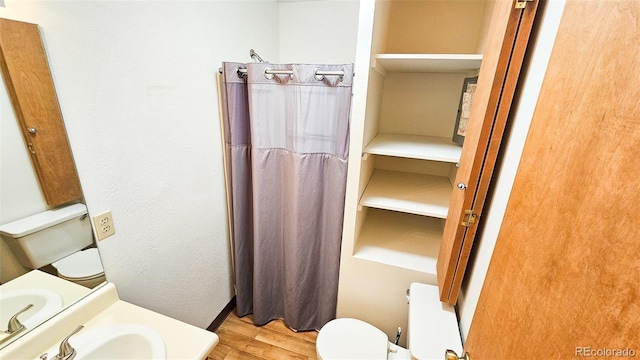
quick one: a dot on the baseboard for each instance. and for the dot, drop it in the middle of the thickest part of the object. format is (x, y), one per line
(223, 315)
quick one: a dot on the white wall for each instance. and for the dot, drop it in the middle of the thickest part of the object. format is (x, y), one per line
(318, 31)
(137, 88)
(524, 107)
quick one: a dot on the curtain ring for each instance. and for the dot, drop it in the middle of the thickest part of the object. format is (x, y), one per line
(267, 75)
(320, 77)
(270, 73)
(240, 73)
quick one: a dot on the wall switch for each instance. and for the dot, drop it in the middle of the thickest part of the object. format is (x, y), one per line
(104, 225)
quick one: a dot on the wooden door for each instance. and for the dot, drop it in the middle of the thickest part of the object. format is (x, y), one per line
(564, 279)
(504, 53)
(30, 86)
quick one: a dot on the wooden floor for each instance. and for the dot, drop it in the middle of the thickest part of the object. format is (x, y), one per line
(240, 339)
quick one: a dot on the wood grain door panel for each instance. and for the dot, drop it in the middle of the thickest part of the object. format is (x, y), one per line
(504, 54)
(565, 272)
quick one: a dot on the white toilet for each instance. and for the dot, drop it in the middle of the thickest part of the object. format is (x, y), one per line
(433, 329)
(57, 237)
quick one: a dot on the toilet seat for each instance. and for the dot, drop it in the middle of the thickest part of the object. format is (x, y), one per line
(351, 339)
(81, 265)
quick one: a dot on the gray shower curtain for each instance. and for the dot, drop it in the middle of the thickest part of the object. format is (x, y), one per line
(287, 143)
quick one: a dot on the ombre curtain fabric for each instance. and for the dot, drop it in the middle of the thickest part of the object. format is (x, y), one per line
(237, 142)
(287, 143)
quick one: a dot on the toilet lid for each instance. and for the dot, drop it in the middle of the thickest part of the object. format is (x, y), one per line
(81, 264)
(351, 339)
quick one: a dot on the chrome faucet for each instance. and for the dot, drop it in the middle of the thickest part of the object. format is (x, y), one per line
(66, 352)
(14, 324)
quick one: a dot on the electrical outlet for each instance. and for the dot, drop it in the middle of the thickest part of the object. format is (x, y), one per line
(104, 225)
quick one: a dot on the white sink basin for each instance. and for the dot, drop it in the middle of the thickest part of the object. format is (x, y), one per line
(118, 341)
(46, 303)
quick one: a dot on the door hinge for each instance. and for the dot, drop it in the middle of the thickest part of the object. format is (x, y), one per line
(471, 218)
(521, 4)
(452, 355)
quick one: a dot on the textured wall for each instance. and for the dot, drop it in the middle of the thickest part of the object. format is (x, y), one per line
(137, 87)
(318, 31)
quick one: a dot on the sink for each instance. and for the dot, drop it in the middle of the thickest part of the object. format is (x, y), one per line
(117, 341)
(111, 329)
(46, 303)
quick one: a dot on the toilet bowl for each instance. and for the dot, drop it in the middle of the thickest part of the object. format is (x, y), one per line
(433, 328)
(354, 339)
(351, 339)
(58, 237)
(82, 267)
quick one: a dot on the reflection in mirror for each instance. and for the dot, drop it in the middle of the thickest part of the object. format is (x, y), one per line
(55, 240)
(44, 295)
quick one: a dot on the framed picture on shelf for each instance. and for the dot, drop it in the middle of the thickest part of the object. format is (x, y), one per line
(464, 109)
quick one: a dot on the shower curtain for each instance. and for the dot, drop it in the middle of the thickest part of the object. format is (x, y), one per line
(286, 147)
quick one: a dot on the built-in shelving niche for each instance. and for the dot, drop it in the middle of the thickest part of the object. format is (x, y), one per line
(409, 185)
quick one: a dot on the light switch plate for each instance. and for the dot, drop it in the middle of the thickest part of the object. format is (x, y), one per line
(104, 225)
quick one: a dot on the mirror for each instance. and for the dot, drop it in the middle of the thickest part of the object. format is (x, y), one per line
(51, 288)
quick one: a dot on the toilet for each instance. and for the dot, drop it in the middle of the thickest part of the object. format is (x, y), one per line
(432, 329)
(61, 238)
(82, 267)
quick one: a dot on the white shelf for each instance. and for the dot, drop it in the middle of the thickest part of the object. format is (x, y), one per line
(402, 240)
(438, 63)
(415, 147)
(419, 194)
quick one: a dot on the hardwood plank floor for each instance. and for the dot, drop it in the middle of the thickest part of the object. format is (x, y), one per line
(241, 339)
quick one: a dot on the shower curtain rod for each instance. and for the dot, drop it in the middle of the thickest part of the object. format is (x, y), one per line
(290, 72)
(242, 71)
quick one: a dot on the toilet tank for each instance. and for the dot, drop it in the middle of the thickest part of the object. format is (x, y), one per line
(433, 325)
(43, 238)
